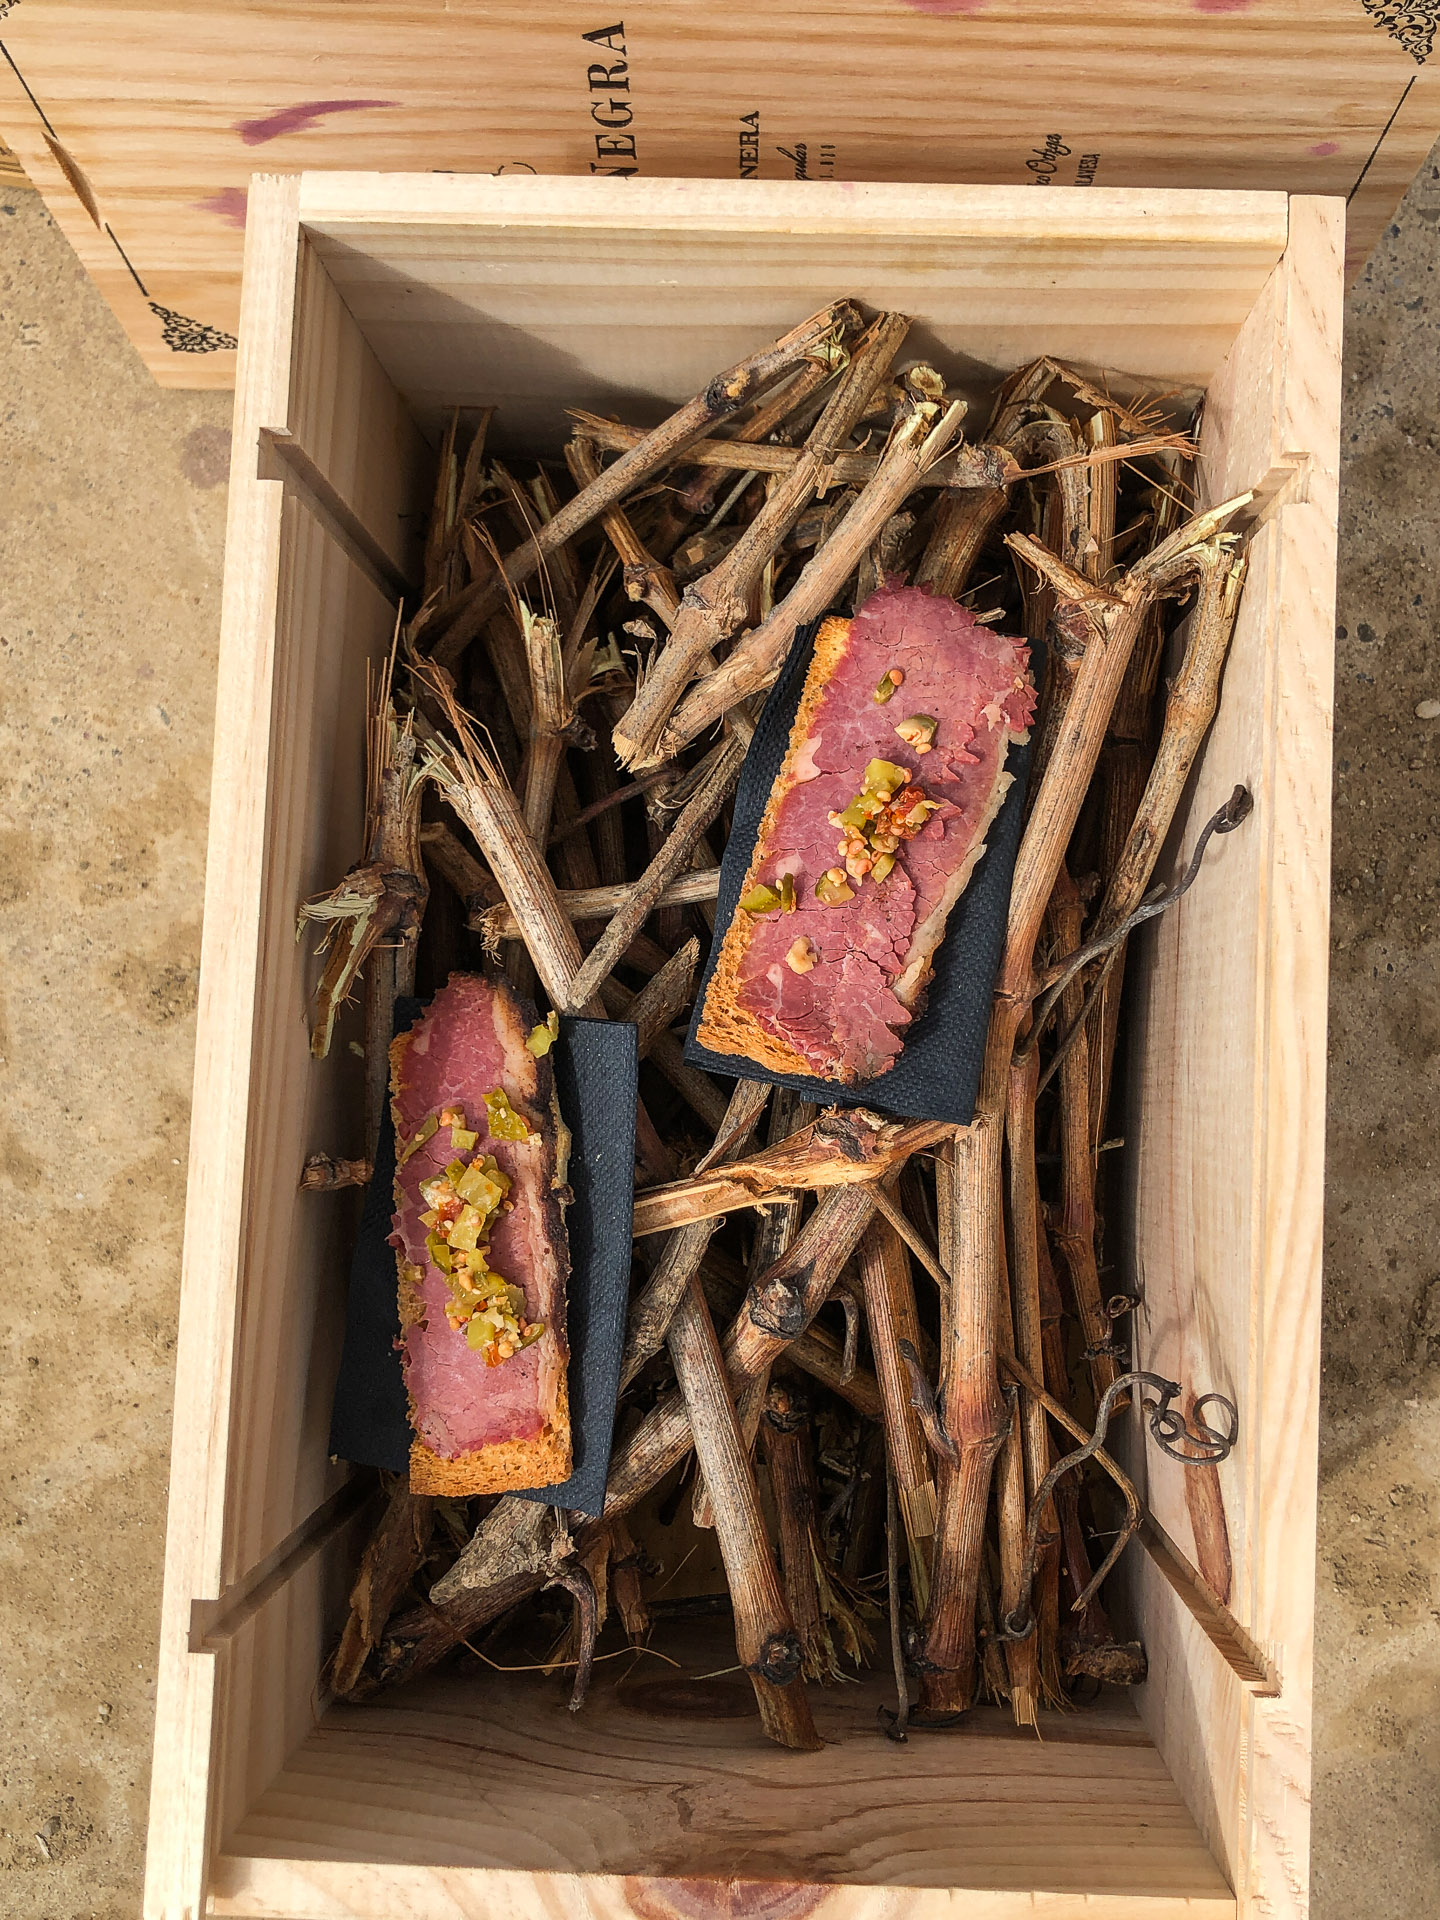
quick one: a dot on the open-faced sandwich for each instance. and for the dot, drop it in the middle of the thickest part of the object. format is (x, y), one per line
(877, 818)
(479, 1233)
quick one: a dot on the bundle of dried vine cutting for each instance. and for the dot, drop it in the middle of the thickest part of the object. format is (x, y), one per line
(834, 1316)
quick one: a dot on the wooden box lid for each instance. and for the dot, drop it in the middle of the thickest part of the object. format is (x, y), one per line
(141, 121)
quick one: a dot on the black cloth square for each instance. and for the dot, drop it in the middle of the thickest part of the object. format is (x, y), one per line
(596, 1065)
(595, 1077)
(938, 1074)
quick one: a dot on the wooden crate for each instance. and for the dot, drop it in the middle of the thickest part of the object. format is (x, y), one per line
(142, 120)
(371, 303)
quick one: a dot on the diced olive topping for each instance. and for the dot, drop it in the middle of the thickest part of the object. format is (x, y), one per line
(425, 1131)
(543, 1037)
(467, 1229)
(461, 1206)
(760, 899)
(861, 810)
(889, 681)
(802, 956)
(918, 731)
(883, 777)
(832, 889)
(787, 893)
(504, 1122)
(483, 1185)
(889, 809)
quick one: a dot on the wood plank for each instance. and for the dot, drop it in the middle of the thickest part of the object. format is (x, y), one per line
(647, 1783)
(629, 294)
(1228, 1139)
(267, 1889)
(1226, 1159)
(210, 1279)
(162, 110)
(264, 1273)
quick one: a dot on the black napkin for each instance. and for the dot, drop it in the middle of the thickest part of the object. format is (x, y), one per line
(938, 1074)
(595, 1077)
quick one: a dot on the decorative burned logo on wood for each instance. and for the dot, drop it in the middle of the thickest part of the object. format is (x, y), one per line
(183, 335)
(1414, 25)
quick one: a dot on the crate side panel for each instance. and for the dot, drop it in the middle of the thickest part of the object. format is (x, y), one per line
(330, 623)
(301, 1889)
(269, 1687)
(347, 416)
(545, 293)
(214, 1203)
(161, 109)
(1230, 1146)
(642, 1784)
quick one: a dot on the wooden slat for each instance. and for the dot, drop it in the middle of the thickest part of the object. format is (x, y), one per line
(215, 1201)
(264, 1269)
(629, 294)
(631, 1789)
(155, 112)
(1226, 1159)
(1228, 1110)
(330, 1890)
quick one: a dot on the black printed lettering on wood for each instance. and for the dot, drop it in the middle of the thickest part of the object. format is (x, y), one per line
(611, 149)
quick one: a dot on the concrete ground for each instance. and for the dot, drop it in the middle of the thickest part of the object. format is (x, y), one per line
(112, 506)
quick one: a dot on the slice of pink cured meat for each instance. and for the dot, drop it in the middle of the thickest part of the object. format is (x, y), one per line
(478, 1419)
(831, 990)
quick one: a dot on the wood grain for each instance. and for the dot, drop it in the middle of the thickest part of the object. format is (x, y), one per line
(1229, 1111)
(210, 1279)
(161, 110)
(1153, 285)
(264, 1801)
(638, 1787)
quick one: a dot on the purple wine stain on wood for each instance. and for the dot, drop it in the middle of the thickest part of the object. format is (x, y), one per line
(946, 6)
(299, 118)
(1322, 149)
(1221, 6)
(228, 205)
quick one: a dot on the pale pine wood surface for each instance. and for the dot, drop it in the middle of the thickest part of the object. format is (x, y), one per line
(1230, 1108)
(1232, 1027)
(265, 1268)
(628, 295)
(493, 1771)
(210, 1276)
(161, 110)
(267, 1889)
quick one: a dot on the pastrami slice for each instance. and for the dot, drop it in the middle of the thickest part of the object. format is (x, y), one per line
(479, 1233)
(895, 770)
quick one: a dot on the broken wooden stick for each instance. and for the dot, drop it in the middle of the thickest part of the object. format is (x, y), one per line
(891, 1313)
(725, 395)
(971, 466)
(668, 863)
(754, 661)
(841, 1148)
(498, 923)
(974, 1414)
(765, 1638)
(715, 606)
